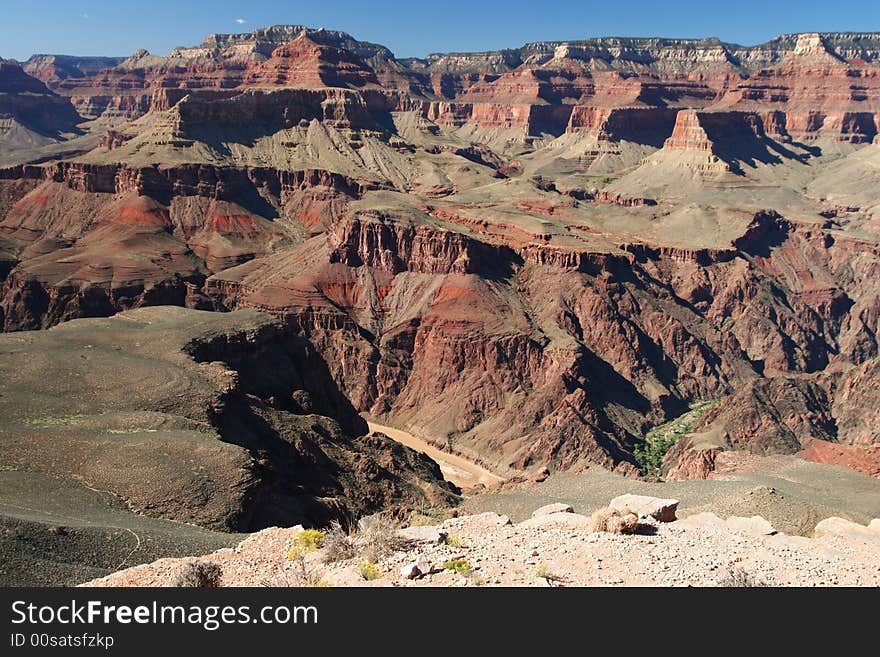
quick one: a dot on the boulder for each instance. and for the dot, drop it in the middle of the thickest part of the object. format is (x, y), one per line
(491, 518)
(704, 519)
(662, 510)
(411, 571)
(424, 564)
(424, 534)
(840, 527)
(547, 509)
(540, 475)
(756, 525)
(561, 520)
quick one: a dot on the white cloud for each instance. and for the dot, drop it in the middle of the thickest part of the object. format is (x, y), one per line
(85, 16)
(240, 21)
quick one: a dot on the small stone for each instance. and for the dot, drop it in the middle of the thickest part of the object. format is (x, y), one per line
(704, 519)
(411, 571)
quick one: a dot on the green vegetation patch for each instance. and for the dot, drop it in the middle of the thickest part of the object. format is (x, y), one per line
(308, 540)
(649, 454)
(461, 566)
(369, 571)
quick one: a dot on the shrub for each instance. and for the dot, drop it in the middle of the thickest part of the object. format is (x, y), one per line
(339, 544)
(543, 571)
(738, 577)
(369, 571)
(454, 541)
(308, 540)
(199, 574)
(461, 566)
(649, 455)
(314, 580)
(615, 521)
(376, 537)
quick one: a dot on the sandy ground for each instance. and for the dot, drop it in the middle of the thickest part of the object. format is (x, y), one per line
(458, 470)
(560, 550)
(58, 532)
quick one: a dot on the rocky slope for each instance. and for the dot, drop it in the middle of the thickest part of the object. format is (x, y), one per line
(528, 257)
(559, 549)
(220, 420)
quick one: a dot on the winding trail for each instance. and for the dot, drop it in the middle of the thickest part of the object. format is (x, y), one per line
(457, 469)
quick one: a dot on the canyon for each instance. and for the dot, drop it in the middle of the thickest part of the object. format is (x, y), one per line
(527, 258)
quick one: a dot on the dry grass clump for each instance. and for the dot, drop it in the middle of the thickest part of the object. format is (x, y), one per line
(199, 574)
(461, 566)
(615, 521)
(339, 544)
(374, 538)
(543, 571)
(738, 577)
(315, 581)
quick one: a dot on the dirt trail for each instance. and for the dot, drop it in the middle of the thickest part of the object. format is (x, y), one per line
(456, 469)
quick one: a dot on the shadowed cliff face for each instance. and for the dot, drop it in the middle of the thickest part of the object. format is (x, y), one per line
(31, 114)
(529, 257)
(569, 360)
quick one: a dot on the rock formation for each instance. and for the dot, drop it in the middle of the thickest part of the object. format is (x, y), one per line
(221, 420)
(530, 257)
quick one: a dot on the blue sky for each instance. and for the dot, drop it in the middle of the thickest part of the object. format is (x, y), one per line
(414, 28)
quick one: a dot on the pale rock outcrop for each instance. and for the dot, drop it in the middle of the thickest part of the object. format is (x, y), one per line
(559, 519)
(841, 527)
(491, 518)
(557, 507)
(422, 534)
(756, 525)
(645, 506)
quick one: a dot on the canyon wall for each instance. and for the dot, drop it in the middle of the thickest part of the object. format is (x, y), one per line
(529, 256)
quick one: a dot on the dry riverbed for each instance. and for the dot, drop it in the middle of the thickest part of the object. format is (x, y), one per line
(455, 468)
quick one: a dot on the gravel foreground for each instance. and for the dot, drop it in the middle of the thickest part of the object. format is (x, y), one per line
(559, 549)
